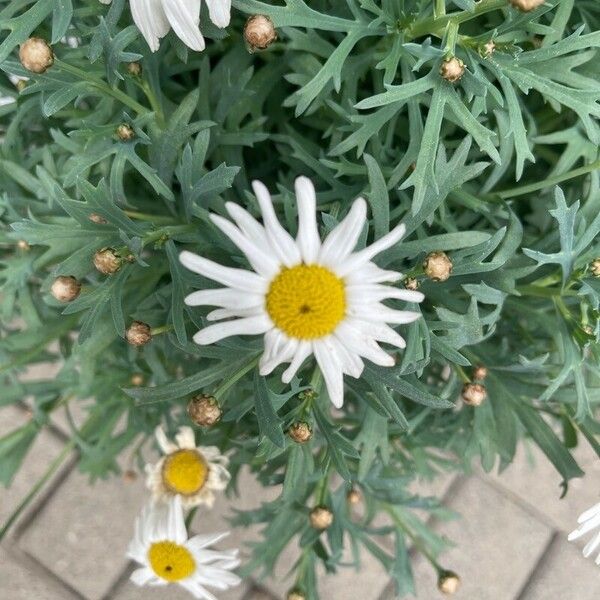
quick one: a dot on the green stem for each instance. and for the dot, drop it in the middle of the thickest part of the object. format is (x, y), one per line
(146, 217)
(235, 377)
(161, 329)
(540, 185)
(52, 468)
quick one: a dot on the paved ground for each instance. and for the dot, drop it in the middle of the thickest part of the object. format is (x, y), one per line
(510, 543)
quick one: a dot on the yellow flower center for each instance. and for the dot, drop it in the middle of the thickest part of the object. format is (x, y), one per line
(307, 301)
(185, 472)
(171, 561)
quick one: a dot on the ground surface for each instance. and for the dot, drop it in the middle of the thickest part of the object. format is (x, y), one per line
(510, 543)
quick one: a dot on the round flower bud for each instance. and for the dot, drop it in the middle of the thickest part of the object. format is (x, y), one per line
(106, 261)
(204, 410)
(23, 245)
(96, 218)
(259, 32)
(354, 497)
(138, 334)
(36, 55)
(125, 132)
(137, 379)
(474, 394)
(21, 85)
(437, 266)
(452, 69)
(300, 432)
(134, 68)
(448, 582)
(595, 267)
(321, 518)
(489, 48)
(65, 288)
(526, 5)
(295, 595)
(480, 372)
(410, 283)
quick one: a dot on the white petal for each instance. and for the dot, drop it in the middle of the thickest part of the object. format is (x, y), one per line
(378, 331)
(226, 313)
(194, 588)
(590, 513)
(592, 545)
(374, 293)
(332, 372)
(203, 541)
(308, 240)
(283, 243)
(269, 364)
(589, 525)
(219, 12)
(252, 229)
(236, 278)
(246, 326)
(361, 258)
(202, 556)
(380, 313)
(363, 345)
(343, 239)
(176, 522)
(224, 297)
(350, 362)
(142, 576)
(184, 16)
(303, 351)
(166, 445)
(371, 273)
(186, 439)
(262, 263)
(151, 20)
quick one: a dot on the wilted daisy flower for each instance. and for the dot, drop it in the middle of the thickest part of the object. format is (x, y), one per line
(161, 545)
(589, 521)
(154, 18)
(191, 472)
(306, 296)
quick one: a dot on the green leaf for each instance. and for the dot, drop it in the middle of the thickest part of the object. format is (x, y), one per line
(269, 423)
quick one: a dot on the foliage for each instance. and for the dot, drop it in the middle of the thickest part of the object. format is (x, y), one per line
(351, 96)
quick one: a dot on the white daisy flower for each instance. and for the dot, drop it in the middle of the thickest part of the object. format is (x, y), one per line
(589, 521)
(154, 18)
(190, 471)
(161, 545)
(306, 296)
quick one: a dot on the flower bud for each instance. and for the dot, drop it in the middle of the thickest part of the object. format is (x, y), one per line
(489, 48)
(204, 410)
(300, 432)
(125, 132)
(137, 379)
(65, 288)
(96, 218)
(595, 267)
(474, 394)
(36, 55)
(321, 518)
(448, 582)
(452, 69)
(480, 372)
(138, 334)
(134, 68)
(526, 5)
(106, 261)
(21, 85)
(23, 245)
(353, 497)
(410, 283)
(295, 595)
(259, 32)
(437, 266)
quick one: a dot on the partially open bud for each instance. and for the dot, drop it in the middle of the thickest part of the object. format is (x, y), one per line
(595, 267)
(526, 5)
(125, 132)
(474, 394)
(300, 432)
(36, 55)
(489, 48)
(134, 68)
(353, 497)
(137, 379)
(410, 283)
(96, 218)
(437, 266)
(448, 582)
(259, 32)
(65, 288)
(321, 518)
(204, 410)
(138, 334)
(23, 245)
(295, 595)
(452, 69)
(480, 373)
(106, 261)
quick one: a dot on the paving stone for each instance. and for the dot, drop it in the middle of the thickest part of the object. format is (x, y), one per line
(83, 531)
(259, 594)
(534, 480)
(43, 451)
(564, 574)
(19, 582)
(497, 546)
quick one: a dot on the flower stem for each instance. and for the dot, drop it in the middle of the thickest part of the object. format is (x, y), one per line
(235, 377)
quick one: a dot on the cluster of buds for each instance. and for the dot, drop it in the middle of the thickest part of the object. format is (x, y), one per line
(452, 69)
(125, 132)
(448, 582)
(474, 394)
(480, 373)
(259, 32)
(321, 518)
(595, 267)
(204, 410)
(437, 266)
(36, 55)
(65, 288)
(527, 5)
(134, 68)
(300, 432)
(410, 283)
(138, 334)
(107, 261)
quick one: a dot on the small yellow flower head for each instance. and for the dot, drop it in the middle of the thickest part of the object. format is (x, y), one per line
(106, 261)
(65, 288)
(452, 69)
(437, 266)
(527, 5)
(448, 583)
(321, 518)
(36, 55)
(474, 394)
(125, 133)
(354, 497)
(259, 32)
(137, 379)
(134, 68)
(138, 334)
(204, 410)
(300, 432)
(595, 267)
(23, 245)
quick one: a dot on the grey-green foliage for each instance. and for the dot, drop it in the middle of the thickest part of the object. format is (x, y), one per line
(351, 96)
